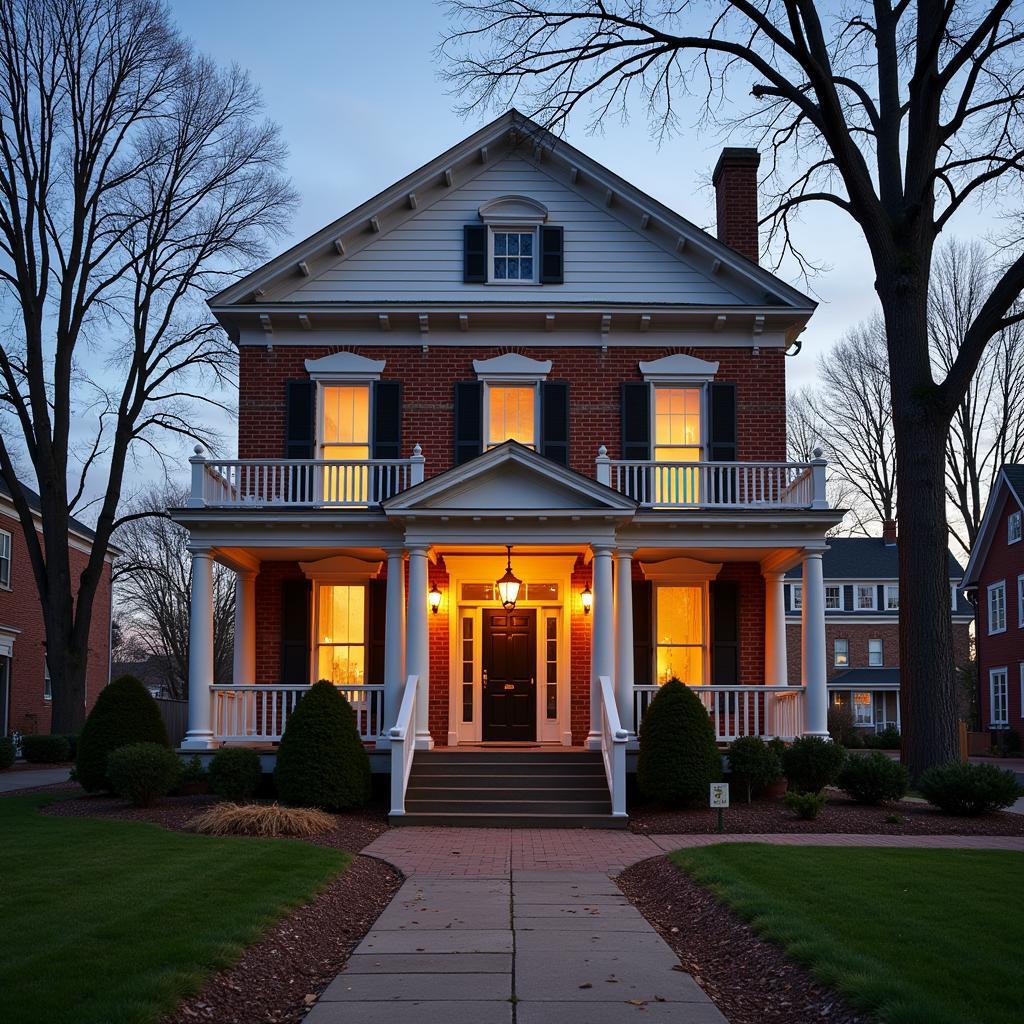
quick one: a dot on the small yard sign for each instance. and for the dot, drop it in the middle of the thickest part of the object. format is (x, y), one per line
(719, 794)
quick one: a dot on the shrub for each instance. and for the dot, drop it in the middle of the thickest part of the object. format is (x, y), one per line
(7, 752)
(805, 805)
(873, 778)
(754, 763)
(841, 726)
(142, 772)
(811, 763)
(261, 820)
(969, 789)
(192, 772)
(235, 773)
(124, 713)
(894, 819)
(887, 739)
(45, 749)
(72, 746)
(321, 761)
(678, 757)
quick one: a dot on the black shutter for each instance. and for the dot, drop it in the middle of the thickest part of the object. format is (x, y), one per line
(723, 422)
(387, 419)
(552, 258)
(469, 420)
(635, 415)
(295, 625)
(299, 412)
(643, 633)
(474, 253)
(554, 421)
(376, 622)
(725, 634)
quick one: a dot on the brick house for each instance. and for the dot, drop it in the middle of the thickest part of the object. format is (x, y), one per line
(512, 454)
(862, 602)
(995, 580)
(24, 677)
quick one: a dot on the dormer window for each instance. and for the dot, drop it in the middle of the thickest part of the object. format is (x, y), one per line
(513, 244)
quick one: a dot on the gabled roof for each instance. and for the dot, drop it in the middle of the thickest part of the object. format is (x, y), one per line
(1012, 478)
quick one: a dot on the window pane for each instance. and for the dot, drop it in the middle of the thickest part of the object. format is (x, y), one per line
(341, 618)
(511, 414)
(340, 664)
(500, 243)
(683, 663)
(346, 414)
(677, 416)
(680, 619)
(833, 598)
(526, 244)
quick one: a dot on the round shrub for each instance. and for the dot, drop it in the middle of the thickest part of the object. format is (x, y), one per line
(45, 749)
(321, 761)
(142, 772)
(235, 773)
(873, 778)
(887, 739)
(811, 763)
(7, 752)
(805, 805)
(969, 789)
(678, 757)
(753, 763)
(124, 713)
(841, 726)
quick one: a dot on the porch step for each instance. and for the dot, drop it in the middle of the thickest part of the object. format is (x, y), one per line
(508, 789)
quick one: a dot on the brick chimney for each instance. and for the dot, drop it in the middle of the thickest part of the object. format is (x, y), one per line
(735, 181)
(889, 533)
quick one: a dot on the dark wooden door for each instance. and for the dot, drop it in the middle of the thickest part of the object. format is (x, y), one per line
(509, 667)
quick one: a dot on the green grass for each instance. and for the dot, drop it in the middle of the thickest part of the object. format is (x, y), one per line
(915, 936)
(111, 922)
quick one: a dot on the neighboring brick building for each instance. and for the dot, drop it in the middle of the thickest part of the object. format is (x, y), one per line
(24, 679)
(995, 580)
(862, 647)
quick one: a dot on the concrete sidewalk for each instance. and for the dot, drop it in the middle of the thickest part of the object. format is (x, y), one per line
(29, 778)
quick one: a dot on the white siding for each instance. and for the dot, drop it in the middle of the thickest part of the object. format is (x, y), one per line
(605, 259)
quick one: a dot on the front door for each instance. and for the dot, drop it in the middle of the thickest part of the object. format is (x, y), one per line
(509, 668)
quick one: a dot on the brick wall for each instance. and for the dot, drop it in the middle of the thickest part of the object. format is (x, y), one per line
(735, 181)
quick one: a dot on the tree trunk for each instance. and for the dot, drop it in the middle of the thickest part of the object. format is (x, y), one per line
(67, 675)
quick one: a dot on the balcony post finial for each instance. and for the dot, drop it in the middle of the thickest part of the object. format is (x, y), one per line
(417, 461)
(195, 499)
(603, 470)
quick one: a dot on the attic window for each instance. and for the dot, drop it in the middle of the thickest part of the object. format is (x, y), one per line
(514, 244)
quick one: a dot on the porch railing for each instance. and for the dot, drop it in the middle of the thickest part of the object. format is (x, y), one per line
(403, 744)
(765, 711)
(259, 714)
(740, 485)
(306, 483)
(613, 747)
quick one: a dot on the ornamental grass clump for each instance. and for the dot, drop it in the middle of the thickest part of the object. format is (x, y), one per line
(873, 778)
(678, 757)
(811, 763)
(754, 763)
(969, 789)
(267, 820)
(143, 772)
(321, 761)
(235, 773)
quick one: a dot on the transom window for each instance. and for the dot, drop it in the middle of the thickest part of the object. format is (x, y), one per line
(997, 607)
(875, 658)
(892, 597)
(864, 597)
(1013, 528)
(863, 708)
(341, 633)
(841, 653)
(999, 697)
(514, 257)
(679, 615)
(5, 559)
(512, 414)
(834, 598)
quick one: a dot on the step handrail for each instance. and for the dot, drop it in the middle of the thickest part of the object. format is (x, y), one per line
(613, 747)
(403, 744)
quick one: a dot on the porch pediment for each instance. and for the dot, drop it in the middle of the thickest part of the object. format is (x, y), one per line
(507, 479)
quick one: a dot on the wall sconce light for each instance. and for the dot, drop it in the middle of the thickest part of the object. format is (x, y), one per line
(434, 597)
(587, 600)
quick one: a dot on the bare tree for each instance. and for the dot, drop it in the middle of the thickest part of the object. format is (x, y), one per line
(152, 587)
(133, 175)
(900, 114)
(987, 429)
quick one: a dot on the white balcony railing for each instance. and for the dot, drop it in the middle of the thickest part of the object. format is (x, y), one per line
(308, 483)
(765, 711)
(259, 714)
(739, 485)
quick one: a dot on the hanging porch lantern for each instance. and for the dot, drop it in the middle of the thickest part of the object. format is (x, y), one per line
(509, 584)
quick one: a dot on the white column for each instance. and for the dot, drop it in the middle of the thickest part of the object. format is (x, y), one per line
(602, 638)
(624, 638)
(244, 666)
(776, 669)
(394, 637)
(417, 642)
(813, 647)
(200, 654)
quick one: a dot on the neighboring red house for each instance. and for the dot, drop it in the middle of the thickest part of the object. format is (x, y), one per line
(24, 677)
(995, 578)
(512, 363)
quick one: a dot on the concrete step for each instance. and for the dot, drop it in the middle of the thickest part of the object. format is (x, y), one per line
(530, 756)
(418, 780)
(562, 804)
(501, 820)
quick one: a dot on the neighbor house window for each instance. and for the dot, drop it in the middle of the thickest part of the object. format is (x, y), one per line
(864, 597)
(47, 686)
(341, 634)
(5, 559)
(1013, 528)
(833, 599)
(997, 607)
(1020, 604)
(863, 708)
(796, 596)
(514, 255)
(679, 615)
(841, 653)
(345, 436)
(892, 597)
(999, 697)
(875, 653)
(511, 414)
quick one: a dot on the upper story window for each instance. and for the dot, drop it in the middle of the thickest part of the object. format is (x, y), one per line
(833, 598)
(5, 559)
(875, 656)
(841, 653)
(513, 255)
(997, 607)
(796, 596)
(345, 421)
(1013, 528)
(513, 244)
(864, 597)
(892, 597)
(511, 414)
(678, 419)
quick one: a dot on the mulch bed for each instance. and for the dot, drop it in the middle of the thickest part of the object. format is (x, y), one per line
(840, 816)
(751, 981)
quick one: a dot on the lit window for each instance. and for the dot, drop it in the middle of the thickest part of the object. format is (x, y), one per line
(467, 668)
(677, 438)
(892, 597)
(511, 414)
(997, 607)
(345, 436)
(875, 653)
(796, 596)
(47, 686)
(864, 597)
(998, 697)
(863, 708)
(341, 638)
(841, 651)
(551, 668)
(833, 598)
(5, 559)
(513, 255)
(680, 634)
(1013, 528)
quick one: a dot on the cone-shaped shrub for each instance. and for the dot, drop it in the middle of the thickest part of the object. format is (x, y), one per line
(321, 761)
(124, 713)
(678, 758)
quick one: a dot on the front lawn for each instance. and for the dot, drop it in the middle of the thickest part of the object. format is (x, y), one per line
(110, 922)
(915, 936)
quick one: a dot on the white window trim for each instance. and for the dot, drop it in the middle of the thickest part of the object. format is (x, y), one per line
(873, 607)
(881, 652)
(521, 229)
(1014, 517)
(705, 630)
(992, 589)
(954, 596)
(895, 587)
(6, 584)
(1020, 604)
(322, 384)
(705, 412)
(836, 663)
(488, 384)
(871, 706)
(834, 586)
(992, 674)
(796, 594)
